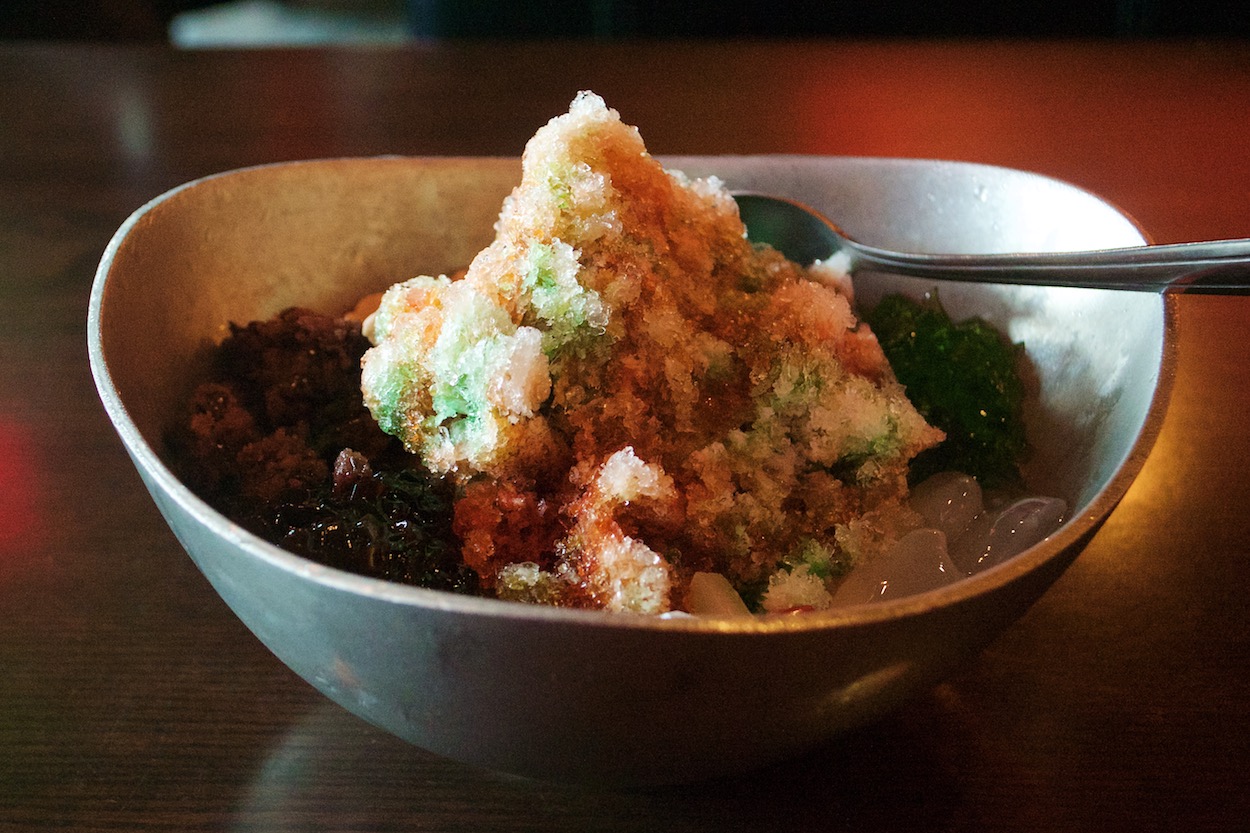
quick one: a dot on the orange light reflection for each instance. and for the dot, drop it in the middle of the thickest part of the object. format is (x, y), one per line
(19, 492)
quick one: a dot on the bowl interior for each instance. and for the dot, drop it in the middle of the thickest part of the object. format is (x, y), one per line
(245, 244)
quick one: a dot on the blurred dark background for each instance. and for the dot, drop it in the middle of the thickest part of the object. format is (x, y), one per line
(293, 21)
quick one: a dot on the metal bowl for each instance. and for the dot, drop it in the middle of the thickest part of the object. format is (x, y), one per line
(589, 696)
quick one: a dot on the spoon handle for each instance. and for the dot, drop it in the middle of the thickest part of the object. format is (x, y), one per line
(1213, 266)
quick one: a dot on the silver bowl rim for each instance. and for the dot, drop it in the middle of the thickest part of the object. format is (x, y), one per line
(161, 477)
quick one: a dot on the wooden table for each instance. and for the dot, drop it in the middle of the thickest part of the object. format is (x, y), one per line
(132, 699)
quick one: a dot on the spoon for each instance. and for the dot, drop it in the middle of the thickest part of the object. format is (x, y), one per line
(804, 235)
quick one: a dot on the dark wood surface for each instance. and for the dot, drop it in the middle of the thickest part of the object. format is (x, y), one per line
(131, 699)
